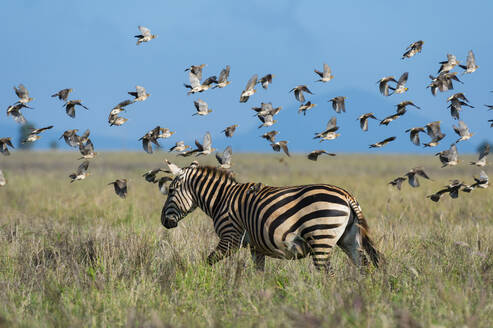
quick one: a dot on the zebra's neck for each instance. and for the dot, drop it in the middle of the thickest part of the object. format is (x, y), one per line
(210, 187)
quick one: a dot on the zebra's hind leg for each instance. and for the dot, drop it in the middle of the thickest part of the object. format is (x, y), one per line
(226, 247)
(320, 251)
(258, 259)
(351, 243)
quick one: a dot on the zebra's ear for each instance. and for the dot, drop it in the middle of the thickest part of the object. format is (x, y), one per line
(175, 170)
(194, 164)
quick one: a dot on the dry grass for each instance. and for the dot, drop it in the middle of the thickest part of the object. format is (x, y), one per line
(77, 255)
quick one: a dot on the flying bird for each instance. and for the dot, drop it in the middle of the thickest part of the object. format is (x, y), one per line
(306, 106)
(330, 131)
(401, 84)
(34, 134)
(298, 92)
(249, 89)
(382, 143)
(196, 70)
(401, 107)
(390, 118)
(139, 94)
(179, 147)
(412, 176)
(456, 107)
(87, 150)
(120, 186)
(71, 138)
(448, 157)
(120, 107)
(483, 154)
(81, 172)
(70, 107)
(223, 78)
(4, 144)
(22, 94)
(145, 35)
(397, 182)
(267, 120)
(15, 112)
(224, 159)
(384, 86)
(266, 80)
(150, 176)
(463, 131)
(266, 109)
(117, 120)
(313, 156)
(270, 136)
(453, 190)
(338, 104)
(204, 148)
(277, 146)
(63, 94)
(413, 49)
(470, 66)
(414, 135)
(326, 75)
(230, 130)
(482, 181)
(449, 64)
(363, 120)
(202, 108)
(434, 132)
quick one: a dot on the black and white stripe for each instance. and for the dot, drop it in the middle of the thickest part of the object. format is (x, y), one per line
(280, 222)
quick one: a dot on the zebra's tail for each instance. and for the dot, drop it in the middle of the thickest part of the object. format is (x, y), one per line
(375, 256)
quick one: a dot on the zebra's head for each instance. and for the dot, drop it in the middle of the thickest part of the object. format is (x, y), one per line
(180, 200)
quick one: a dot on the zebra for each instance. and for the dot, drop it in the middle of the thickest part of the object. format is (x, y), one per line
(279, 222)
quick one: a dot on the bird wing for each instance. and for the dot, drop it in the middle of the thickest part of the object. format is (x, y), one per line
(251, 83)
(223, 76)
(421, 173)
(21, 91)
(145, 31)
(298, 94)
(388, 140)
(284, 146)
(194, 80)
(484, 152)
(453, 155)
(464, 130)
(140, 90)
(83, 167)
(403, 79)
(146, 145)
(332, 123)
(207, 141)
(227, 154)
(471, 60)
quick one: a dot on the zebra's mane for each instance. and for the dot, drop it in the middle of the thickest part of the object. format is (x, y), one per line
(218, 171)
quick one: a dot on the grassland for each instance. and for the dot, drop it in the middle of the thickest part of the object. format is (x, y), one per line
(77, 255)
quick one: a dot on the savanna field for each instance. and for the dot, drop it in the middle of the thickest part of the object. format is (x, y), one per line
(77, 255)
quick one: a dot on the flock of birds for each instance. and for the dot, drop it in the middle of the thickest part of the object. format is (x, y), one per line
(265, 113)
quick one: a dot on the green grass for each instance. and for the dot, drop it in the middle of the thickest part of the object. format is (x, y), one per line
(77, 255)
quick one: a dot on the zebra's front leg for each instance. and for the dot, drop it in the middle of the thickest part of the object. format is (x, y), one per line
(258, 259)
(226, 247)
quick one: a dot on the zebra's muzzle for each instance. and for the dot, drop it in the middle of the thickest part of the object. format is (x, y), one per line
(169, 222)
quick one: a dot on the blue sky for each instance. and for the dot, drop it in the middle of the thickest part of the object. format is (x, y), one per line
(89, 46)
